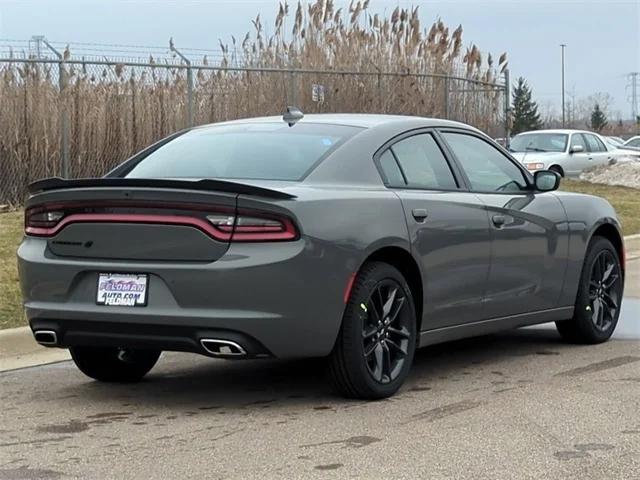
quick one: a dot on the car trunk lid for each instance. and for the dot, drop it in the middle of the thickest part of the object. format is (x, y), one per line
(137, 219)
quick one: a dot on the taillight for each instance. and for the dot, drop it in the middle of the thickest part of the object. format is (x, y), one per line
(255, 227)
(36, 220)
(218, 222)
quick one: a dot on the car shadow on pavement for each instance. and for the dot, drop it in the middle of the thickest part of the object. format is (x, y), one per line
(198, 383)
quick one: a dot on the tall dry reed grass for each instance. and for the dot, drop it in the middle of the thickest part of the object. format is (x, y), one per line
(115, 110)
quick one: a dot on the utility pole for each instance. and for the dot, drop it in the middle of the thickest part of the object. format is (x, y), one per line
(507, 108)
(632, 87)
(563, 46)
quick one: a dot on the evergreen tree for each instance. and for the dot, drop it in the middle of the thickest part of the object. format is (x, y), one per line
(598, 119)
(525, 110)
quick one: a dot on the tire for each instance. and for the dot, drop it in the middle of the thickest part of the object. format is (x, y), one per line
(593, 323)
(107, 364)
(371, 359)
(557, 169)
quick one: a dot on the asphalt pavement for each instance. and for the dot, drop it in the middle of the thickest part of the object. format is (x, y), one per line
(510, 406)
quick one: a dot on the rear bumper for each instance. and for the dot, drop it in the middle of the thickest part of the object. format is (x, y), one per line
(70, 333)
(275, 299)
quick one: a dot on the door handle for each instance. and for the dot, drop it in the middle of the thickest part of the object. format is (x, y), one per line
(498, 220)
(419, 214)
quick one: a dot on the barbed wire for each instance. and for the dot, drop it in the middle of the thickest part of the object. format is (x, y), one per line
(109, 47)
(113, 52)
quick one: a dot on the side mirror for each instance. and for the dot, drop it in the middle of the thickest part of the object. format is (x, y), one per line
(576, 149)
(546, 180)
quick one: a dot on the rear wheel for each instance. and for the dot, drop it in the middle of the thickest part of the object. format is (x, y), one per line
(108, 364)
(599, 296)
(375, 347)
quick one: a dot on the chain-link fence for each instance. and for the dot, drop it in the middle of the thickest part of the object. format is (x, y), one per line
(74, 118)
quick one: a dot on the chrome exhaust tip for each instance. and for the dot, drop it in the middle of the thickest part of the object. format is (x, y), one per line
(48, 338)
(222, 348)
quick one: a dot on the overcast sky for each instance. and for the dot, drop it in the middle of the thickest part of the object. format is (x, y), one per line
(603, 37)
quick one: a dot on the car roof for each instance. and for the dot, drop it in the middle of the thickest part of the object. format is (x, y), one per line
(558, 130)
(362, 120)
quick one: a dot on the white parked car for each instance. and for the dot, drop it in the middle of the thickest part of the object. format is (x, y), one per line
(616, 141)
(633, 142)
(567, 152)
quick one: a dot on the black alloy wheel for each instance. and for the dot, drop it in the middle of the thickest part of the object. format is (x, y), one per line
(599, 295)
(374, 350)
(604, 296)
(385, 334)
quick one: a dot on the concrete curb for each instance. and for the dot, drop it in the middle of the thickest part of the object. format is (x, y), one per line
(18, 349)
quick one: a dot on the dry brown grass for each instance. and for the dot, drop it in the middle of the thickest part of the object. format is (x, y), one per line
(115, 110)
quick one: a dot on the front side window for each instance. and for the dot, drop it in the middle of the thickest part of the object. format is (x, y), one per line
(258, 151)
(633, 143)
(486, 167)
(577, 140)
(423, 164)
(539, 142)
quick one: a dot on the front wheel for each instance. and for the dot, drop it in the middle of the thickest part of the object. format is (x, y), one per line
(377, 340)
(557, 169)
(599, 296)
(108, 364)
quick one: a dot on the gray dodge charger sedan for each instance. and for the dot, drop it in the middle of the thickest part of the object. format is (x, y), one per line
(353, 237)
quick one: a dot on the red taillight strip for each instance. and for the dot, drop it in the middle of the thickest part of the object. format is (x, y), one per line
(195, 222)
(242, 233)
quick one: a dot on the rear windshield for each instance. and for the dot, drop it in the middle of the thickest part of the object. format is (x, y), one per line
(256, 151)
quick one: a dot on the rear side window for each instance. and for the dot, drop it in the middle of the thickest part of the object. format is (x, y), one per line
(252, 151)
(423, 164)
(594, 144)
(391, 169)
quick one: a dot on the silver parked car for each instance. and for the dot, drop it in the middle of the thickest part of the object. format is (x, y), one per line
(615, 141)
(567, 152)
(633, 142)
(354, 237)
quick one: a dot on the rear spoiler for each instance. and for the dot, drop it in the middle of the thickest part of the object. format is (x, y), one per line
(57, 183)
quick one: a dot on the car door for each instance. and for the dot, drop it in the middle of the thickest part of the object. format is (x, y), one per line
(576, 162)
(448, 228)
(598, 152)
(529, 242)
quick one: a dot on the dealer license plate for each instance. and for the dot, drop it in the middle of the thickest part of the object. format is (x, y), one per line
(122, 289)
